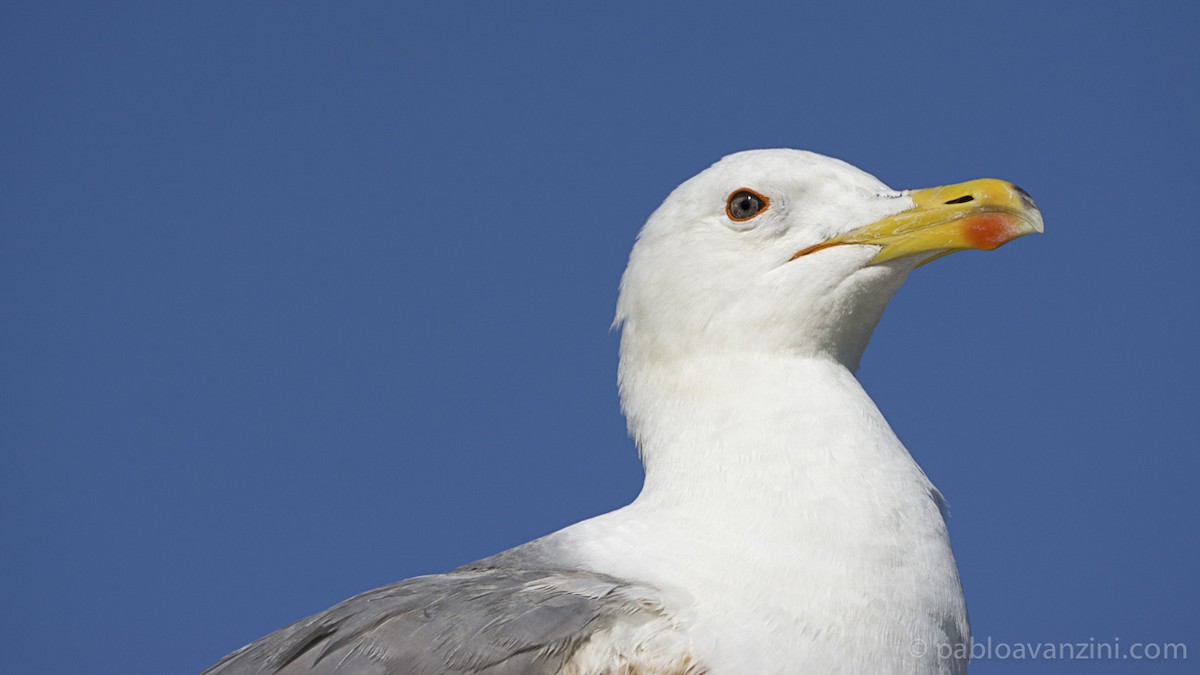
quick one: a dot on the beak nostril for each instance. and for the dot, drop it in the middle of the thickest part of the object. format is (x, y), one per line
(963, 199)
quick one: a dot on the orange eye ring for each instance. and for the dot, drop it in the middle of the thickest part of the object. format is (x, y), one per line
(744, 204)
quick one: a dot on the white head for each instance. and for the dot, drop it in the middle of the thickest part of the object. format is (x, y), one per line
(790, 253)
(701, 280)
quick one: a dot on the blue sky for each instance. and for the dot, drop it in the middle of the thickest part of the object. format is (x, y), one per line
(300, 299)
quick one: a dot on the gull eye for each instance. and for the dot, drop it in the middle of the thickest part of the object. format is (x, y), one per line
(744, 204)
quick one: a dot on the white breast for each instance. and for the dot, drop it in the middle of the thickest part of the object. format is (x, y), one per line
(790, 527)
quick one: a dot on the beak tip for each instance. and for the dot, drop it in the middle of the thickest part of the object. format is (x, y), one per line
(1033, 218)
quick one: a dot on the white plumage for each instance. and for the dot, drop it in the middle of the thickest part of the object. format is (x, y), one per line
(777, 497)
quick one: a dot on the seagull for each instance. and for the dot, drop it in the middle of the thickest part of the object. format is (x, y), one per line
(782, 526)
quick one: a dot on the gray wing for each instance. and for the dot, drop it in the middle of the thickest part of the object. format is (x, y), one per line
(481, 620)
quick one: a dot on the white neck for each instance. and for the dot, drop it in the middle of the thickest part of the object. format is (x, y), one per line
(777, 494)
(765, 440)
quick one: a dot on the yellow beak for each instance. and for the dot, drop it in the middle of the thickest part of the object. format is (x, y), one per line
(980, 214)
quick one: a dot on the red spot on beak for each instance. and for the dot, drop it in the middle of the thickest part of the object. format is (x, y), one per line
(988, 230)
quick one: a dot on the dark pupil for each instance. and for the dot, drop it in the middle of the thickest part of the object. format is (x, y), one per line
(745, 205)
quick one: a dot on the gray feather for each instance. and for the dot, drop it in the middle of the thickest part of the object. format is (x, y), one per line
(494, 617)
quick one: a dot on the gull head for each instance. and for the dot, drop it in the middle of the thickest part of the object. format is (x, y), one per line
(788, 252)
